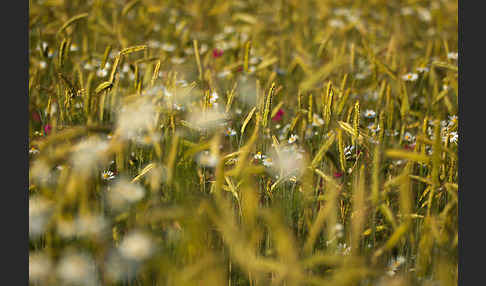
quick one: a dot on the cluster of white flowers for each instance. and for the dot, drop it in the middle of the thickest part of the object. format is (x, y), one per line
(448, 129)
(136, 246)
(39, 214)
(123, 193)
(77, 269)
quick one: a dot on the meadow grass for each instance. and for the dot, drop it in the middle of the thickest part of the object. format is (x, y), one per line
(279, 142)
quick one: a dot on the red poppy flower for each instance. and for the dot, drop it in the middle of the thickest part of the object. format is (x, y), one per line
(278, 116)
(217, 53)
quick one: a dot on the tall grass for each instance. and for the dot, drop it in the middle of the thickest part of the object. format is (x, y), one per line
(243, 142)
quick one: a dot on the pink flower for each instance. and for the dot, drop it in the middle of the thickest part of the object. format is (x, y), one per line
(279, 115)
(337, 174)
(409, 147)
(217, 53)
(47, 129)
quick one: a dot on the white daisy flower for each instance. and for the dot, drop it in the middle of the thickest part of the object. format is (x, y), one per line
(408, 137)
(410, 77)
(107, 175)
(101, 72)
(452, 120)
(230, 132)
(370, 113)
(374, 128)
(33, 150)
(213, 97)
(452, 56)
(317, 120)
(293, 138)
(454, 137)
(259, 156)
(136, 246)
(73, 47)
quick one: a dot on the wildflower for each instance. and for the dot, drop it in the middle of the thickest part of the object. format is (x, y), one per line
(361, 75)
(454, 137)
(293, 138)
(452, 56)
(422, 69)
(406, 11)
(177, 60)
(207, 159)
(213, 97)
(217, 53)
(42, 64)
(47, 129)
(409, 137)
(374, 128)
(33, 150)
(336, 23)
(258, 156)
(337, 174)
(88, 66)
(73, 47)
(317, 120)
(90, 225)
(278, 115)
(349, 151)
(77, 269)
(267, 162)
(101, 72)
(39, 267)
(135, 118)
(136, 246)
(124, 193)
(168, 47)
(203, 49)
(409, 147)
(228, 29)
(410, 77)
(370, 113)
(452, 120)
(230, 132)
(343, 248)
(107, 175)
(424, 14)
(39, 213)
(224, 74)
(89, 153)
(154, 44)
